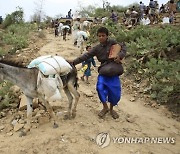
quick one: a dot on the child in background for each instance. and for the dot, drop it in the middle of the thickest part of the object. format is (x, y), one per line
(86, 66)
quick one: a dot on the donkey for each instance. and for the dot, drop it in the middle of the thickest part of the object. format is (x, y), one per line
(86, 25)
(64, 32)
(26, 79)
(82, 37)
(81, 43)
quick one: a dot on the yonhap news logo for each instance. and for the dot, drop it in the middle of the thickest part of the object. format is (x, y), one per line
(103, 139)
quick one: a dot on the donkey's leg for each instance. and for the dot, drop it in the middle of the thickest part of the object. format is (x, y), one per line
(81, 49)
(73, 90)
(70, 99)
(51, 112)
(84, 44)
(29, 116)
(29, 111)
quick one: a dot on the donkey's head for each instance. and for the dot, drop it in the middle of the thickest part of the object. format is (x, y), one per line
(9, 68)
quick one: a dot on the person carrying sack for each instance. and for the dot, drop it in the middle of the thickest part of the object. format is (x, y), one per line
(108, 82)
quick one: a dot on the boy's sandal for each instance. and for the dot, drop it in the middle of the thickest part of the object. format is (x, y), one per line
(82, 78)
(102, 113)
(114, 114)
(87, 82)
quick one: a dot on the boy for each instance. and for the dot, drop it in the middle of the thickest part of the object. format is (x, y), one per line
(88, 62)
(108, 84)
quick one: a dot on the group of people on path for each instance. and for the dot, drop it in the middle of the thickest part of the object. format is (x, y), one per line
(108, 84)
(108, 81)
(152, 11)
(61, 28)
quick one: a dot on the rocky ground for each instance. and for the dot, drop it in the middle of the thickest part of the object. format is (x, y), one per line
(137, 119)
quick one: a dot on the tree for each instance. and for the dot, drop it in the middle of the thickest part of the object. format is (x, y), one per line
(14, 18)
(100, 12)
(88, 11)
(58, 16)
(39, 13)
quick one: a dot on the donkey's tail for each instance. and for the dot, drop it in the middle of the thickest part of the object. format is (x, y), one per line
(76, 85)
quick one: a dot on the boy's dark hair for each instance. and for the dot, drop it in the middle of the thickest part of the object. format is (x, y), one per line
(103, 30)
(87, 47)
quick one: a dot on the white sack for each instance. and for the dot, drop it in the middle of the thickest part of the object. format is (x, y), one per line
(50, 65)
(50, 87)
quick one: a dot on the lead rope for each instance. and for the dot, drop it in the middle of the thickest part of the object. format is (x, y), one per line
(57, 63)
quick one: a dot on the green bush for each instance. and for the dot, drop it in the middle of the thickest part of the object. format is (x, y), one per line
(148, 41)
(14, 18)
(19, 29)
(1, 51)
(153, 56)
(17, 36)
(7, 95)
(164, 78)
(17, 41)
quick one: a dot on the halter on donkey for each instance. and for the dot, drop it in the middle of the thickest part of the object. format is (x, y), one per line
(26, 79)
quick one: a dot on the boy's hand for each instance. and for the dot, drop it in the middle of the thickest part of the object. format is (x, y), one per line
(70, 62)
(117, 59)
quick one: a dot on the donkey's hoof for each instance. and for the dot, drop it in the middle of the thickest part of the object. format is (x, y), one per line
(22, 133)
(73, 115)
(55, 125)
(66, 117)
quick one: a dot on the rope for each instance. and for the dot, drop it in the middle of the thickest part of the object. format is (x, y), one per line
(52, 65)
(57, 63)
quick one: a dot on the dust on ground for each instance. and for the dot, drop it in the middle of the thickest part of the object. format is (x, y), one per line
(78, 136)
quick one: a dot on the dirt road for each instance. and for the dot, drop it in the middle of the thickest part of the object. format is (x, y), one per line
(148, 129)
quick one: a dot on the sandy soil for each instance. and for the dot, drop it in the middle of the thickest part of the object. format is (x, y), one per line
(78, 136)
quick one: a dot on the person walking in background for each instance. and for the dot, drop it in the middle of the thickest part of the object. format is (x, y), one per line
(142, 8)
(162, 9)
(152, 10)
(1, 19)
(69, 14)
(172, 11)
(114, 16)
(56, 25)
(87, 65)
(178, 5)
